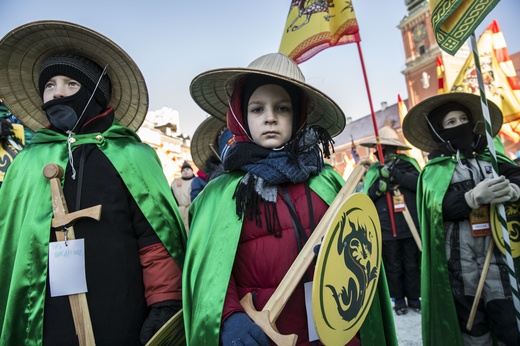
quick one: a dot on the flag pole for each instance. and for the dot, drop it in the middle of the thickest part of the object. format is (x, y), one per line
(500, 207)
(376, 132)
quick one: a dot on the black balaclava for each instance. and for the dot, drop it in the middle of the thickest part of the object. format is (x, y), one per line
(461, 137)
(389, 152)
(64, 113)
(253, 82)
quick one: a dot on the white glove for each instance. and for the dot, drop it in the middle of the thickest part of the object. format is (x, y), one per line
(494, 190)
(515, 192)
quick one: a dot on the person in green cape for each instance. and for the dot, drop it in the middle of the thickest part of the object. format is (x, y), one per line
(401, 256)
(85, 97)
(10, 142)
(249, 224)
(455, 191)
(210, 143)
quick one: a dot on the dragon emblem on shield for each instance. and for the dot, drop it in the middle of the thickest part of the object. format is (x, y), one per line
(356, 249)
(512, 213)
(347, 270)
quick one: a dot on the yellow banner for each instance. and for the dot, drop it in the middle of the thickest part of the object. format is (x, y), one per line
(313, 26)
(453, 21)
(9, 148)
(496, 82)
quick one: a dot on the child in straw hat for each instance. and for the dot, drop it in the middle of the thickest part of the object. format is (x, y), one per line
(401, 256)
(94, 97)
(209, 146)
(455, 191)
(248, 225)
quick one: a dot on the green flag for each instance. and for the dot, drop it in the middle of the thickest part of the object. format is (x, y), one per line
(453, 21)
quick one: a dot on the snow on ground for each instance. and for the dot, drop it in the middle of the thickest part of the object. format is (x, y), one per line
(408, 328)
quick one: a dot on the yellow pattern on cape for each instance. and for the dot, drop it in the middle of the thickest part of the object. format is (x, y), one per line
(453, 21)
(7, 151)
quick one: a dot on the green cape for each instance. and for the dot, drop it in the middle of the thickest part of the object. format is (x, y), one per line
(26, 213)
(214, 234)
(439, 317)
(373, 173)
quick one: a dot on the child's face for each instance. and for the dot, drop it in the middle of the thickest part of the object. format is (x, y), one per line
(270, 116)
(60, 86)
(454, 119)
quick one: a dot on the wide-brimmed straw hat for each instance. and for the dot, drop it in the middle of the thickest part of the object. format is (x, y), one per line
(387, 136)
(205, 141)
(23, 50)
(416, 127)
(212, 90)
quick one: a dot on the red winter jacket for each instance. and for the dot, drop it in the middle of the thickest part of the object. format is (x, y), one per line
(262, 260)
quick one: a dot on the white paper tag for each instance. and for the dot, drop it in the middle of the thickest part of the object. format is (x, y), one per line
(313, 335)
(67, 267)
(479, 226)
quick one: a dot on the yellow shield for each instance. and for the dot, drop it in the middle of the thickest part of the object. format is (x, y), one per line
(7, 151)
(513, 227)
(347, 271)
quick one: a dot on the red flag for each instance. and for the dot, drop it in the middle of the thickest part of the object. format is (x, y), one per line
(313, 26)
(499, 76)
(440, 76)
(415, 152)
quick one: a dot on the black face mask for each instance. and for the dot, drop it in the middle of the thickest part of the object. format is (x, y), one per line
(62, 117)
(389, 153)
(65, 112)
(459, 138)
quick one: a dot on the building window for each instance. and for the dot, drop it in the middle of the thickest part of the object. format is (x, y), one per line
(422, 49)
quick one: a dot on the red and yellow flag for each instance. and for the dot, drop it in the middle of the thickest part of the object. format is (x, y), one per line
(441, 85)
(453, 21)
(415, 152)
(315, 25)
(500, 79)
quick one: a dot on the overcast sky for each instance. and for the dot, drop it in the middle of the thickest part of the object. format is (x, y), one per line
(172, 41)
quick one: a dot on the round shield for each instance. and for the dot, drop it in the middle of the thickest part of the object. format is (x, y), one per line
(347, 271)
(512, 210)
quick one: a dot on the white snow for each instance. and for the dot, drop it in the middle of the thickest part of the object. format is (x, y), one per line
(408, 328)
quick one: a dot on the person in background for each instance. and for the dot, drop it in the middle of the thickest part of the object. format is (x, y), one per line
(85, 97)
(11, 141)
(185, 189)
(210, 145)
(366, 163)
(456, 194)
(249, 224)
(401, 256)
(7, 116)
(198, 183)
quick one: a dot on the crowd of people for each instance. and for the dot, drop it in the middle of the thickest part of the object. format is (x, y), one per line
(207, 242)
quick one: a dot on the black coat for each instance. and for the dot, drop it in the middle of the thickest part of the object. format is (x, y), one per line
(404, 177)
(114, 274)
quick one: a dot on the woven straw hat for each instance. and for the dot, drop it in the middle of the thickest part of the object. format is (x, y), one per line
(23, 50)
(387, 136)
(415, 124)
(212, 90)
(205, 141)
